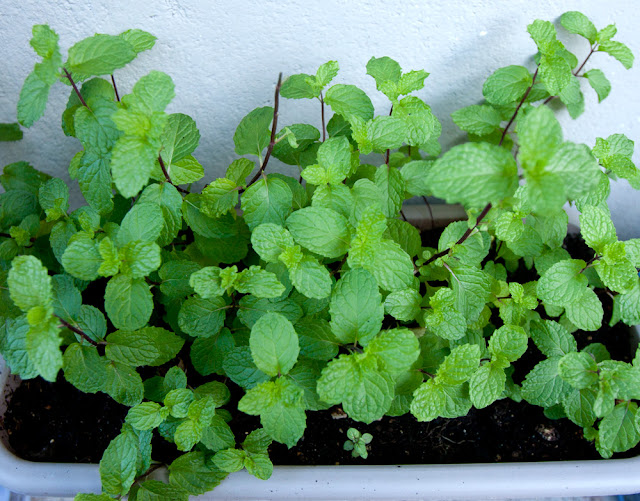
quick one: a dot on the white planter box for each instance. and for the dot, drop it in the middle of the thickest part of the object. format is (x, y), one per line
(407, 482)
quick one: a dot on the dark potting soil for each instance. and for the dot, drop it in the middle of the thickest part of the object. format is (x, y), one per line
(55, 422)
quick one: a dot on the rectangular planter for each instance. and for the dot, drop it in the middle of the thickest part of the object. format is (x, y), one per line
(410, 482)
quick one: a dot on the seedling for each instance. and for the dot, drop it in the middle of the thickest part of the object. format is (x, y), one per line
(357, 443)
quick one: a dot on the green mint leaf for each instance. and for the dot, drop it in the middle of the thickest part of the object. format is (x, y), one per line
(253, 133)
(118, 465)
(586, 313)
(84, 368)
(148, 346)
(201, 317)
(507, 85)
(552, 339)
(178, 402)
(259, 282)
(239, 170)
(580, 370)
(123, 384)
(43, 344)
(509, 341)
(626, 304)
(230, 460)
(334, 162)
(100, 55)
(207, 353)
(29, 283)
(411, 81)
(128, 302)
(576, 22)
(543, 386)
(429, 401)
(146, 416)
(596, 228)
(365, 391)
(311, 279)
(385, 71)
(10, 132)
(154, 490)
(193, 474)
(82, 258)
(139, 259)
(326, 72)
(578, 406)
(477, 119)
(140, 40)
(259, 465)
(599, 83)
(444, 320)
(404, 305)
(219, 197)
(239, 366)
(217, 435)
(486, 385)
(144, 222)
(349, 100)
(392, 186)
(280, 406)
(555, 73)
(618, 431)
(397, 348)
(474, 174)
(563, 283)
(175, 278)
(270, 240)
(54, 199)
(459, 365)
(274, 344)
(422, 128)
(267, 201)
(317, 341)
(13, 344)
(540, 135)
(618, 51)
(33, 99)
(132, 161)
(322, 231)
(169, 200)
(356, 307)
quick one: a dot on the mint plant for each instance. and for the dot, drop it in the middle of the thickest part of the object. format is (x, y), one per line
(313, 290)
(357, 443)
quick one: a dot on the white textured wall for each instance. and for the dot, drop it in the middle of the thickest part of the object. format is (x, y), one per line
(224, 57)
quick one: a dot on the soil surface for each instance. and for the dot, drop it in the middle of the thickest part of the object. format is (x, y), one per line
(57, 423)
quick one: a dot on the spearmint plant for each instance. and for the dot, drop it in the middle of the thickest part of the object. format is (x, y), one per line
(315, 291)
(357, 443)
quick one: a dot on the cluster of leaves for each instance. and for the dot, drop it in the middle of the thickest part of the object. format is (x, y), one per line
(357, 443)
(316, 292)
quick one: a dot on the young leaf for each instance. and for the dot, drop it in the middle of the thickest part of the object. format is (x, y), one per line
(253, 133)
(599, 83)
(128, 302)
(356, 307)
(274, 344)
(322, 231)
(507, 85)
(100, 55)
(474, 174)
(576, 22)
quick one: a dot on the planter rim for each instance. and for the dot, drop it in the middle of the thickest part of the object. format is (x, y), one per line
(377, 482)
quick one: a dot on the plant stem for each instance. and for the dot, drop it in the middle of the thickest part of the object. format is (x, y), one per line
(274, 125)
(324, 128)
(76, 330)
(115, 88)
(75, 88)
(166, 175)
(430, 211)
(6, 235)
(515, 113)
(484, 212)
(386, 160)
